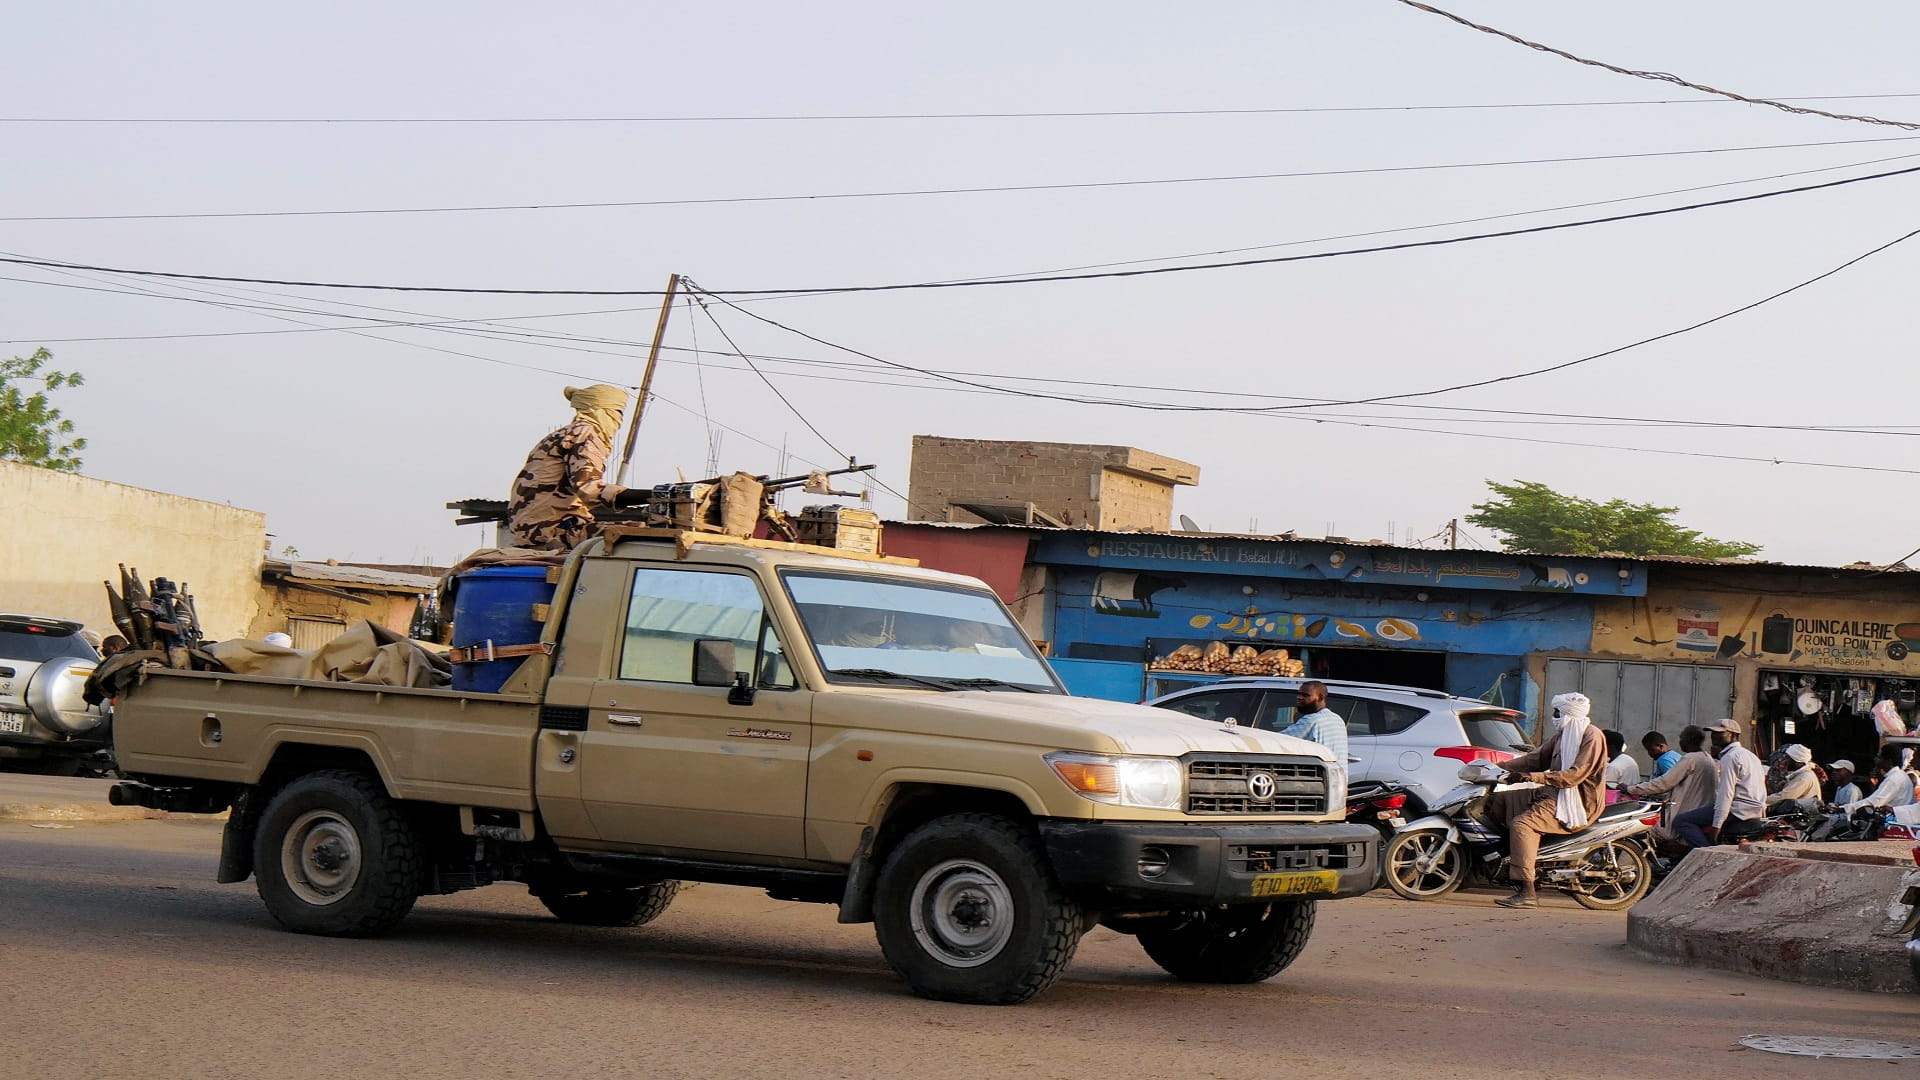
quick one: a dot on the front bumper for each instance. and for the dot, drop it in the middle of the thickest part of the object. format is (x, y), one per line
(1208, 864)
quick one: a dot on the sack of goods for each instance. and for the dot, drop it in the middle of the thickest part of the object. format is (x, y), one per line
(1220, 658)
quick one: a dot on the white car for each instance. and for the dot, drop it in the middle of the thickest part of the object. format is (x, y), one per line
(1416, 737)
(45, 726)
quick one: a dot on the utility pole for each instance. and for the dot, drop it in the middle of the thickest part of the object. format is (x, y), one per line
(646, 380)
(1453, 534)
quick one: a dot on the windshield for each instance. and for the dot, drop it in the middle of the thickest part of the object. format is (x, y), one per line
(34, 644)
(1494, 730)
(878, 631)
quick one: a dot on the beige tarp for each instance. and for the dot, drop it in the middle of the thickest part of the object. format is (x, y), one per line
(365, 653)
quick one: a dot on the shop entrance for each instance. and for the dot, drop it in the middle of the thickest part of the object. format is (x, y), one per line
(1830, 715)
(1634, 698)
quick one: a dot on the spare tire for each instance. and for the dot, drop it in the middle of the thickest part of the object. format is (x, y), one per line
(54, 693)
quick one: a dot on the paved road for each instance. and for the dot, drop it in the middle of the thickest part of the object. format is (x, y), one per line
(121, 958)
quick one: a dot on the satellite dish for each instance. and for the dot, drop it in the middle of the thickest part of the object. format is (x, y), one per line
(1187, 525)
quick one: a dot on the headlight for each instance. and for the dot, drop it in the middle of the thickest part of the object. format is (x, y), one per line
(1152, 783)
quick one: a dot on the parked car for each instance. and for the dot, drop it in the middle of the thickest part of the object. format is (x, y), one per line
(45, 726)
(1416, 737)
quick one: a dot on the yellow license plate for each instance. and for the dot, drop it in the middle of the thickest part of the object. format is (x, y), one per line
(1304, 883)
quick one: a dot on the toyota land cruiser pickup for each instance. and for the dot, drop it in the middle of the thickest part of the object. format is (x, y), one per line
(853, 731)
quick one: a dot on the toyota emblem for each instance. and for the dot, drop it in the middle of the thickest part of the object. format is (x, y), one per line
(1261, 786)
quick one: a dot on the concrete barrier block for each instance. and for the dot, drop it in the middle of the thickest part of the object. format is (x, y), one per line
(1805, 920)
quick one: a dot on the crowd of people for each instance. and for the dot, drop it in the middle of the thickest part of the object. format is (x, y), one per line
(1716, 788)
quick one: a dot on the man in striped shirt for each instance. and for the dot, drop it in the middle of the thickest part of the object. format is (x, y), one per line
(1317, 723)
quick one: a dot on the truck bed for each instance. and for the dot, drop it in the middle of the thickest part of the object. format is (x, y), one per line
(437, 745)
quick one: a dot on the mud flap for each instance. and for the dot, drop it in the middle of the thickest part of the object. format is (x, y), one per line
(236, 840)
(856, 903)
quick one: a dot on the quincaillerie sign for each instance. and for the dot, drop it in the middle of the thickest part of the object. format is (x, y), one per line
(1786, 630)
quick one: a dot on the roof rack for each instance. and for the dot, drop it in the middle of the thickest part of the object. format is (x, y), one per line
(1413, 691)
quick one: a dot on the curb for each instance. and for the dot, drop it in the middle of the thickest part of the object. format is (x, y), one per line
(72, 813)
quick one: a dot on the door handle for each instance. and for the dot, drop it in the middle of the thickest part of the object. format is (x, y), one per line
(625, 719)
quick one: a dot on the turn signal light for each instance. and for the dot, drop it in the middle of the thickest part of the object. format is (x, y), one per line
(1089, 777)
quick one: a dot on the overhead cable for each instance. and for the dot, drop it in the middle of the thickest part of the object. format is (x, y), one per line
(1252, 110)
(832, 196)
(984, 282)
(1659, 76)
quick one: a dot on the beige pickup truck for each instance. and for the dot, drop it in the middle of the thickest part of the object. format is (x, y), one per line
(840, 730)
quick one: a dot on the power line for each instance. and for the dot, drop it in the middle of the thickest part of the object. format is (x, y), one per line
(979, 282)
(728, 200)
(1658, 76)
(1255, 110)
(698, 293)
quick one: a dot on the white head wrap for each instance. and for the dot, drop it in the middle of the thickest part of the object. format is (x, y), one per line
(278, 638)
(1573, 711)
(1798, 753)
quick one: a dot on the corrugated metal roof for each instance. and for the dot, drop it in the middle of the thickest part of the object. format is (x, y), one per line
(1861, 567)
(351, 576)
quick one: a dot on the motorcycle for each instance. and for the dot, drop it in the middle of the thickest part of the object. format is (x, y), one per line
(1607, 866)
(1381, 804)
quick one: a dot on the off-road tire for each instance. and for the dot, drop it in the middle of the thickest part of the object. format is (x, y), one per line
(1240, 943)
(1633, 860)
(334, 855)
(1406, 881)
(974, 873)
(612, 907)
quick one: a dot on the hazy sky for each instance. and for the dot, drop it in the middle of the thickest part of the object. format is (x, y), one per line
(352, 445)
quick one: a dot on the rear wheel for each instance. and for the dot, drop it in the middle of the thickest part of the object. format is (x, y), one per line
(612, 907)
(335, 855)
(1239, 943)
(1423, 865)
(1613, 876)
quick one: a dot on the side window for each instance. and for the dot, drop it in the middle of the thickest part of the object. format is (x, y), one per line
(1357, 712)
(1394, 719)
(1217, 705)
(671, 609)
(1276, 710)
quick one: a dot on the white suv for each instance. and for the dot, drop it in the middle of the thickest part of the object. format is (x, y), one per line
(45, 725)
(1417, 737)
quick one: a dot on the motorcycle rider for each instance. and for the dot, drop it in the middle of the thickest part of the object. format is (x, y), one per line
(1896, 788)
(1741, 790)
(1844, 789)
(1571, 768)
(1801, 784)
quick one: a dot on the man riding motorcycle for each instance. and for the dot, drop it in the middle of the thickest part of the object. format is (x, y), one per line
(1570, 768)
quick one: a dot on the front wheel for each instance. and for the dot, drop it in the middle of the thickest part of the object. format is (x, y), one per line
(1612, 876)
(612, 907)
(335, 855)
(966, 909)
(1240, 943)
(1424, 865)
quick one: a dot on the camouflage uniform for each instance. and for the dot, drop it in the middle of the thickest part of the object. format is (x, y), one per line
(552, 496)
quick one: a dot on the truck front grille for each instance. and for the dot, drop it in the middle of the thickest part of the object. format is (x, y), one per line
(1231, 785)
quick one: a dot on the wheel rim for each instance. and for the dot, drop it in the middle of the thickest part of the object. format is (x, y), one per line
(1627, 871)
(961, 913)
(1423, 863)
(320, 857)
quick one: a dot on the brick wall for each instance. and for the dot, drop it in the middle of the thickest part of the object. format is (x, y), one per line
(1083, 485)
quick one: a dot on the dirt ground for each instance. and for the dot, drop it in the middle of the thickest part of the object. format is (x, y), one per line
(122, 958)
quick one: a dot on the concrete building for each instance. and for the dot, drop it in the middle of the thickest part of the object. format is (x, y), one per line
(1116, 488)
(66, 534)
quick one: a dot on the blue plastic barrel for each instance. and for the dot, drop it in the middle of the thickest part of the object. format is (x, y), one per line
(496, 604)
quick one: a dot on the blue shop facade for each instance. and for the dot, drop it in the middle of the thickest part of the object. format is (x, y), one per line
(1123, 610)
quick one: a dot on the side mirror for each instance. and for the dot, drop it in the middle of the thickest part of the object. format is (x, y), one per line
(713, 662)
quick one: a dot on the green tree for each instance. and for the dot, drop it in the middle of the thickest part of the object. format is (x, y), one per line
(1530, 516)
(31, 430)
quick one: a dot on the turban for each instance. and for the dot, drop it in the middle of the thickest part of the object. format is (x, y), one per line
(601, 404)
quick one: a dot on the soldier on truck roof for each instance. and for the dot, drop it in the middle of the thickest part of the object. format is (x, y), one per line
(564, 477)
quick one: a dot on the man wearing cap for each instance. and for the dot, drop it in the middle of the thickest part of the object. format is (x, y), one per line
(1571, 769)
(1691, 779)
(1740, 794)
(1844, 789)
(564, 477)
